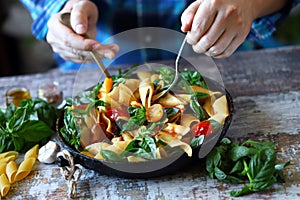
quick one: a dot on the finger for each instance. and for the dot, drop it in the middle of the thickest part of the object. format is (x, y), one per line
(72, 54)
(65, 36)
(232, 47)
(76, 59)
(84, 15)
(107, 51)
(221, 44)
(203, 20)
(188, 16)
(214, 33)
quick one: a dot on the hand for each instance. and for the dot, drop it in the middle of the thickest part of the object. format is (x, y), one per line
(218, 27)
(71, 44)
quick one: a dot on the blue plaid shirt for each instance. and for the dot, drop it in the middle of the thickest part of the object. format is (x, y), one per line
(120, 15)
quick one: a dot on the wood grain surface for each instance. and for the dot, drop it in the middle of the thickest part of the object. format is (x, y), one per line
(265, 88)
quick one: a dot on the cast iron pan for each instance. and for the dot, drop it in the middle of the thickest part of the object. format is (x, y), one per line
(152, 168)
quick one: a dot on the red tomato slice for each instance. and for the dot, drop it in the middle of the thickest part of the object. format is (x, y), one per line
(202, 128)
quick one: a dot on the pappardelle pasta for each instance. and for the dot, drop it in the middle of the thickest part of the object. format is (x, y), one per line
(122, 118)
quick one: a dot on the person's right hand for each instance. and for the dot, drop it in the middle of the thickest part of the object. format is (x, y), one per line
(218, 27)
(70, 44)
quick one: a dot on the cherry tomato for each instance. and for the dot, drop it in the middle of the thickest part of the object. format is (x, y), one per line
(202, 128)
(113, 114)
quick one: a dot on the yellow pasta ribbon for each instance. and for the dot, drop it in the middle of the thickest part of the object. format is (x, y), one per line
(11, 170)
(4, 185)
(3, 168)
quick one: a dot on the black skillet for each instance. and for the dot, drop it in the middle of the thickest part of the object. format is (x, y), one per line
(151, 168)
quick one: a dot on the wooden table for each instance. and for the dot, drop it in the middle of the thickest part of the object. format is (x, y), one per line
(265, 88)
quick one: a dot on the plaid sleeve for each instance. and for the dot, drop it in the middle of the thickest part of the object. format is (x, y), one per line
(41, 11)
(265, 26)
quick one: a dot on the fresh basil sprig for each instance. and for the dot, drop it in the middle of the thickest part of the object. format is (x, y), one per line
(254, 162)
(24, 126)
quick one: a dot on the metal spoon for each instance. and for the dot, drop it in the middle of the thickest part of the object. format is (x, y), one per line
(65, 20)
(176, 72)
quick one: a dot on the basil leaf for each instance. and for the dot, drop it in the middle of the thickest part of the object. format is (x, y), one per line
(9, 112)
(282, 165)
(262, 165)
(197, 141)
(251, 161)
(17, 119)
(167, 75)
(111, 156)
(245, 190)
(142, 146)
(237, 168)
(2, 118)
(220, 175)
(193, 78)
(44, 112)
(69, 131)
(196, 107)
(18, 143)
(171, 111)
(238, 152)
(34, 131)
(138, 118)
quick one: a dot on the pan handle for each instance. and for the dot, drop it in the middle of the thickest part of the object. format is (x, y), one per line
(69, 170)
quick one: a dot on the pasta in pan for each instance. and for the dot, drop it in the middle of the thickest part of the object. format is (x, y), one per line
(122, 119)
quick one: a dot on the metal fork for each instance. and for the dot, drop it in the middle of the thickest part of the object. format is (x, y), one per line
(176, 71)
(65, 20)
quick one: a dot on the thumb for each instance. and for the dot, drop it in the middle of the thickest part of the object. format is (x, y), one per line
(187, 16)
(84, 15)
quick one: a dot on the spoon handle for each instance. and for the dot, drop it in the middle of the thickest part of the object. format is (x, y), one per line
(65, 20)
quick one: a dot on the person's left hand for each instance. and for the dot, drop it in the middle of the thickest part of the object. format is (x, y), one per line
(218, 27)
